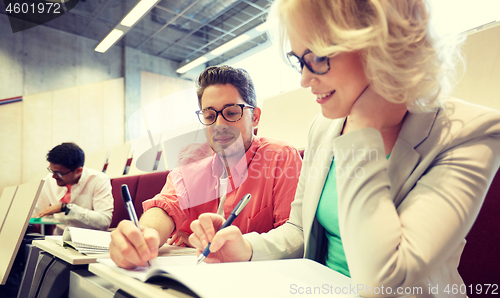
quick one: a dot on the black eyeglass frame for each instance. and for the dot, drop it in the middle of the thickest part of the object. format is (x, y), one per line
(241, 105)
(303, 62)
(58, 174)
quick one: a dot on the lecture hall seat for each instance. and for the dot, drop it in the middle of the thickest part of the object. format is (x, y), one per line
(141, 188)
(120, 211)
(480, 261)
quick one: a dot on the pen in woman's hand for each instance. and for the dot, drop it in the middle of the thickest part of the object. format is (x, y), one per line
(236, 211)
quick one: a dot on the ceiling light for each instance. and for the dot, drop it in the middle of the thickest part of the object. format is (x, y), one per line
(109, 40)
(248, 35)
(192, 64)
(229, 45)
(139, 10)
(263, 27)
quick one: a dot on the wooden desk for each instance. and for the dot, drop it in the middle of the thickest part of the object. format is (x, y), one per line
(126, 283)
(67, 254)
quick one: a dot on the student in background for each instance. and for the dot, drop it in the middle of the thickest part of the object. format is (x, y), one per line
(395, 171)
(77, 196)
(243, 163)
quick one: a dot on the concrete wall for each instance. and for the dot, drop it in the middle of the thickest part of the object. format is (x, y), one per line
(135, 63)
(43, 59)
(70, 93)
(481, 81)
(89, 115)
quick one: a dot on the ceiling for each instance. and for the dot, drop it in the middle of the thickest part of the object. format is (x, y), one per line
(178, 30)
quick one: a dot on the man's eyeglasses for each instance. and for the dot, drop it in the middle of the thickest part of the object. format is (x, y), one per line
(315, 64)
(231, 113)
(58, 174)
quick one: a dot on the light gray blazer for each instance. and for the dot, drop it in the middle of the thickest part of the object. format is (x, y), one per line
(402, 221)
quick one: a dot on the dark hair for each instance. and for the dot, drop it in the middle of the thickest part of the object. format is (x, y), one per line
(237, 77)
(68, 155)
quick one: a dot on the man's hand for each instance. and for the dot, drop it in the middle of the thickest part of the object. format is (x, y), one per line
(131, 247)
(179, 238)
(227, 246)
(50, 210)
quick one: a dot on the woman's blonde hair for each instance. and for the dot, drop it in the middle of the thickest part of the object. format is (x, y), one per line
(403, 59)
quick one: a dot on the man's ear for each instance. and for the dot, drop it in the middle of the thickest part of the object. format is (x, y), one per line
(256, 116)
(79, 171)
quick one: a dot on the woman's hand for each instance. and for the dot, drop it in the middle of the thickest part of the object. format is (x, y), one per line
(227, 245)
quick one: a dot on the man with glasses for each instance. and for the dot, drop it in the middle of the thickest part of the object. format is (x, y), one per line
(242, 163)
(77, 196)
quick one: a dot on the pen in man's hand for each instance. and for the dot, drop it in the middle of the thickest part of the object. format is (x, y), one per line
(130, 208)
(236, 211)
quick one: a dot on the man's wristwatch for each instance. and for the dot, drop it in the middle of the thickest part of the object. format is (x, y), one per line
(68, 208)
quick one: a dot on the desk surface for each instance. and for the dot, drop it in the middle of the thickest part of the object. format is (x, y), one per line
(66, 253)
(131, 285)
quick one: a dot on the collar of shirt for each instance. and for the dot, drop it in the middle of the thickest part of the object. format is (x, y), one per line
(81, 181)
(240, 169)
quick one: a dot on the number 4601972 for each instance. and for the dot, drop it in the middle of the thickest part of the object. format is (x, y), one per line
(32, 8)
(478, 289)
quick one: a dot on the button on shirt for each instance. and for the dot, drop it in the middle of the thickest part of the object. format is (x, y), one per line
(91, 198)
(269, 171)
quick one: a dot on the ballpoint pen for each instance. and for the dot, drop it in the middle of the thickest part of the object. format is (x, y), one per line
(236, 211)
(130, 208)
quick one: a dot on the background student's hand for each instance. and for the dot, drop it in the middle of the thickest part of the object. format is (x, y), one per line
(131, 247)
(227, 246)
(50, 210)
(179, 238)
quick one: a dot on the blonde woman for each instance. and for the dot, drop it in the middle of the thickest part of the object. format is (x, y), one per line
(395, 172)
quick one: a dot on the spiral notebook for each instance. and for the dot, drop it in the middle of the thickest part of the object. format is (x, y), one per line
(87, 241)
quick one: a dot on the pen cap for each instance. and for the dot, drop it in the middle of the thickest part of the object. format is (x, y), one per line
(242, 204)
(126, 194)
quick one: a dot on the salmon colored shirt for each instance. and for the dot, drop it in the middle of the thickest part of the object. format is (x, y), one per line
(269, 171)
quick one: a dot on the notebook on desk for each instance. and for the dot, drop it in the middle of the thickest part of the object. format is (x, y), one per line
(87, 241)
(277, 278)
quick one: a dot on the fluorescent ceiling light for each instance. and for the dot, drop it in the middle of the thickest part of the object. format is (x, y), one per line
(229, 45)
(192, 64)
(248, 35)
(139, 10)
(109, 40)
(263, 27)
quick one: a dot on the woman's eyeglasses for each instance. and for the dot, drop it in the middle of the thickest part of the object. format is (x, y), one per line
(315, 64)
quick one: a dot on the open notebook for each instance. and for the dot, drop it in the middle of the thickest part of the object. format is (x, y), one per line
(87, 241)
(276, 278)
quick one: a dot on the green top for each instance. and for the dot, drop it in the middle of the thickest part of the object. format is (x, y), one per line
(328, 216)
